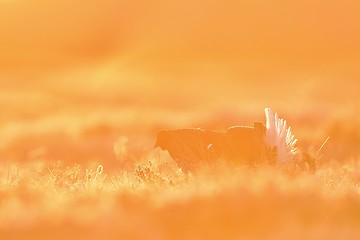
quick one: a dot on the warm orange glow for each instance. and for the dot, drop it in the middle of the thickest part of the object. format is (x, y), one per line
(92, 82)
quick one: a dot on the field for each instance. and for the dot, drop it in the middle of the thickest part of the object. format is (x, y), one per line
(86, 85)
(40, 201)
(93, 174)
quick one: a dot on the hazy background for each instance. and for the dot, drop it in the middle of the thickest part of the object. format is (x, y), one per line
(76, 76)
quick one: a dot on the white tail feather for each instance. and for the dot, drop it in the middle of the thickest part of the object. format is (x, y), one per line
(279, 135)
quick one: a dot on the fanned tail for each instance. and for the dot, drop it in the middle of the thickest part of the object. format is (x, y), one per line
(280, 136)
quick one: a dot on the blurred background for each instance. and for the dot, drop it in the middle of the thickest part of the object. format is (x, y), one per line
(80, 78)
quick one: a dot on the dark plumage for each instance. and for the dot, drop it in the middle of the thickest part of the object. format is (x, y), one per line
(191, 147)
(243, 145)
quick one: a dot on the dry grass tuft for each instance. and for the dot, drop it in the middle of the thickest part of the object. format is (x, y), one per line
(77, 202)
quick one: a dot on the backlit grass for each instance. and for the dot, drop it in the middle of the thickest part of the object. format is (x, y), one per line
(152, 201)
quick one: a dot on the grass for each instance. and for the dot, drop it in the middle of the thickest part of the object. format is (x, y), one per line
(52, 201)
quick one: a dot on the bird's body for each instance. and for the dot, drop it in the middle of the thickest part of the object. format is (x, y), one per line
(191, 147)
(272, 143)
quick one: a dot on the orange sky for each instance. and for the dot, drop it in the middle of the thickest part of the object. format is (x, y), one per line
(193, 51)
(78, 74)
(43, 33)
